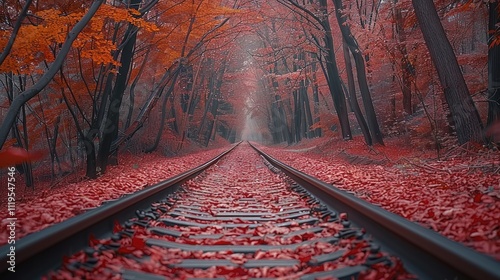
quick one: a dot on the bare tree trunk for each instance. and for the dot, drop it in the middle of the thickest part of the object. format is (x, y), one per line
(334, 82)
(493, 67)
(147, 107)
(315, 89)
(132, 89)
(297, 117)
(112, 121)
(353, 100)
(465, 115)
(308, 121)
(153, 147)
(406, 66)
(371, 116)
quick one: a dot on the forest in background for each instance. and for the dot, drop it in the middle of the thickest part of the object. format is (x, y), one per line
(85, 82)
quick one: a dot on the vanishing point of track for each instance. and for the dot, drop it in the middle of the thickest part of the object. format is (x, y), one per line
(270, 220)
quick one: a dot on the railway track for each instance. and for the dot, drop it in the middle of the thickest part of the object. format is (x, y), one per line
(242, 216)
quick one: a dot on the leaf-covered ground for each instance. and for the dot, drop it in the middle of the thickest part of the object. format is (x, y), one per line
(38, 209)
(239, 182)
(457, 196)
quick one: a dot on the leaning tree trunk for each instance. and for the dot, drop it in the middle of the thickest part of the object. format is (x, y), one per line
(353, 100)
(315, 89)
(406, 66)
(163, 119)
(334, 82)
(493, 67)
(371, 117)
(132, 89)
(307, 107)
(463, 110)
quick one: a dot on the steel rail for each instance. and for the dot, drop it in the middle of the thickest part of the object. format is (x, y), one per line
(424, 252)
(39, 252)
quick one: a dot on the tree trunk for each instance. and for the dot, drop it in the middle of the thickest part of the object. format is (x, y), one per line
(465, 115)
(315, 89)
(308, 121)
(150, 103)
(297, 117)
(215, 84)
(132, 89)
(353, 100)
(493, 67)
(334, 82)
(91, 167)
(371, 117)
(284, 128)
(110, 132)
(406, 66)
(153, 147)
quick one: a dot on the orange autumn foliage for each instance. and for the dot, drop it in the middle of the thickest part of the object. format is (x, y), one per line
(37, 43)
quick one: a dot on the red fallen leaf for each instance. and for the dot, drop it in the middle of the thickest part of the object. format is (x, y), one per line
(117, 227)
(138, 253)
(93, 241)
(66, 259)
(231, 271)
(138, 243)
(47, 218)
(107, 254)
(259, 255)
(13, 155)
(343, 216)
(430, 213)
(223, 242)
(305, 258)
(308, 235)
(258, 242)
(126, 249)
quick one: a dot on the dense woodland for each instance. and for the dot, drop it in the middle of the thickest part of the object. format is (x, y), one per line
(86, 81)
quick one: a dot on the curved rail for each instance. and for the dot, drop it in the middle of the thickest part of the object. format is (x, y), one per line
(424, 252)
(41, 251)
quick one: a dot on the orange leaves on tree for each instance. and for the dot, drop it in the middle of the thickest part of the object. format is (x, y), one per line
(185, 23)
(35, 44)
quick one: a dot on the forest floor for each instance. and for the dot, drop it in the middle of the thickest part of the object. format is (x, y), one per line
(457, 195)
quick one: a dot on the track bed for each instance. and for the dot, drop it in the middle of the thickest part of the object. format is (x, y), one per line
(238, 219)
(242, 215)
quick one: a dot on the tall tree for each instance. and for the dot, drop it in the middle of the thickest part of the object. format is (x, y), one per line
(318, 18)
(115, 101)
(493, 63)
(406, 66)
(462, 108)
(359, 61)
